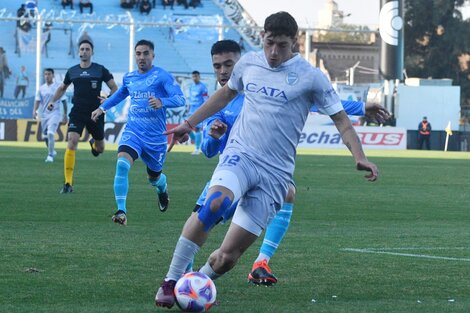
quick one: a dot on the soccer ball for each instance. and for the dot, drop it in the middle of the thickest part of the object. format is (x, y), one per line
(195, 292)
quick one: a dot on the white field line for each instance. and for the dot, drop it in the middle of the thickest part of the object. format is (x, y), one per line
(424, 256)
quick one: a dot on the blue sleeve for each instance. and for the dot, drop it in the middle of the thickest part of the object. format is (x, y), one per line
(175, 95)
(350, 107)
(354, 107)
(116, 98)
(211, 146)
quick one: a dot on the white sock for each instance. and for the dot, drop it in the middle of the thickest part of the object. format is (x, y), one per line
(207, 269)
(263, 256)
(185, 251)
(50, 144)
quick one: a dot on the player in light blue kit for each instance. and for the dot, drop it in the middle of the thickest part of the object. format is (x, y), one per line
(225, 54)
(258, 162)
(197, 95)
(152, 90)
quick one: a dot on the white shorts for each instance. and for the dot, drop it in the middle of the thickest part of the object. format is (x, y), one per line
(256, 207)
(49, 124)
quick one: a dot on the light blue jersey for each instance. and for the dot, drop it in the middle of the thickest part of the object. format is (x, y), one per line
(197, 95)
(211, 146)
(147, 122)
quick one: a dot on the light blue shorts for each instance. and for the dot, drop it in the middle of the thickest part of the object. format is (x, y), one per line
(153, 155)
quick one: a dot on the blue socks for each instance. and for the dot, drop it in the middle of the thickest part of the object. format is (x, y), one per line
(275, 232)
(198, 139)
(121, 182)
(160, 184)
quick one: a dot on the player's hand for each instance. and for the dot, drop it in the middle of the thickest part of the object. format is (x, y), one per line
(64, 120)
(217, 129)
(155, 102)
(50, 106)
(370, 167)
(96, 114)
(180, 134)
(376, 112)
(35, 115)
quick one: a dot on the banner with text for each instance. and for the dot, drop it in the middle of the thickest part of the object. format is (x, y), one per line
(313, 136)
(387, 138)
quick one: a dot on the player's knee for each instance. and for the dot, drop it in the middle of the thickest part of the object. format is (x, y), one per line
(290, 198)
(213, 209)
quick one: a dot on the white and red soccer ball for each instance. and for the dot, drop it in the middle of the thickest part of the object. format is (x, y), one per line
(195, 292)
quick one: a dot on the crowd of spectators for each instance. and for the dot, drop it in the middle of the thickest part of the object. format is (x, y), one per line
(145, 6)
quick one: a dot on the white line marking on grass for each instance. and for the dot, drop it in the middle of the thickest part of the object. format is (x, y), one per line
(424, 256)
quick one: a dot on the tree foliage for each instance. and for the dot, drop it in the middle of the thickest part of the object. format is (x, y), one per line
(435, 37)
(349, 33)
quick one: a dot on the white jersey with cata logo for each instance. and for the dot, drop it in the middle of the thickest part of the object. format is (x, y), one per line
(44, 96)
(276, 106)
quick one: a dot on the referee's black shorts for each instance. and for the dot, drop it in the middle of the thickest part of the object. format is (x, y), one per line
(78, 121)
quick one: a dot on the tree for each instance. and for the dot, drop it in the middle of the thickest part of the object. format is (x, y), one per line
(347, 33)
(436, 37)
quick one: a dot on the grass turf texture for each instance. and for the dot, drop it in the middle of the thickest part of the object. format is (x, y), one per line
(62, 253)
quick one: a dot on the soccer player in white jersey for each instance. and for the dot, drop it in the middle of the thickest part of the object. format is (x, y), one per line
(50, 117)
(259, 159)
(152, 90)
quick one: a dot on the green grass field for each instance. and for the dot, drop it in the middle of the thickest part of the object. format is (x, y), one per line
(398, 245)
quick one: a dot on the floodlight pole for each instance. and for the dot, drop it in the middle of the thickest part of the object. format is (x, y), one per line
(220, 27)
(38, 48)
(131, 41)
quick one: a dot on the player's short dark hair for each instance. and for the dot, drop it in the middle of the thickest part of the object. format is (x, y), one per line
(144, 42)
(281, 23)
(224, 46)
(86, 41)
(48, 69)
(196, 73)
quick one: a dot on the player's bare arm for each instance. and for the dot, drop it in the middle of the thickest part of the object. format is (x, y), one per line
(351, 140)
(64, 117)
(58, 94)
(112, 86)
(217, 129)
(214, 104)
(35, 108)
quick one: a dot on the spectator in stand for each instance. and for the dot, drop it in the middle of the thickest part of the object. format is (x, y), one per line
(5, 71)
(195, 3)
(183, 2)
(85, 4)
(66, 3)
(168, 2)
(31, 7)
(22, 82)
(241, 43)
(145, 7)
(127, 4)
(23, 23)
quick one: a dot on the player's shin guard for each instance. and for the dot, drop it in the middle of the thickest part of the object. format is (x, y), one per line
(210, 218)
(69, 165)
(121, 182)
(276, 230)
